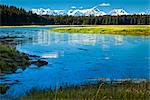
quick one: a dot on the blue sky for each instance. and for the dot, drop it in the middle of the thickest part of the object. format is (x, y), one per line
(132, 6)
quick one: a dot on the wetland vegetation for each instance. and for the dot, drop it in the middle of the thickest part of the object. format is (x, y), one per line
(107, 29)
(125, 90)
(11, 59)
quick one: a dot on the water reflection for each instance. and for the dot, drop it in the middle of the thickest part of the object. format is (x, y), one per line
(51, 55)
(118, 40)
(46, 38)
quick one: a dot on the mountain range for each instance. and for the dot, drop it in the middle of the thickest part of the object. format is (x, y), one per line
(80, 12)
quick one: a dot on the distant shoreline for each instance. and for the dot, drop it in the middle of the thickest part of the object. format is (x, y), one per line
(26, 26)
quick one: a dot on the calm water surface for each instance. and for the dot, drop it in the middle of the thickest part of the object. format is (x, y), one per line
(75, 59)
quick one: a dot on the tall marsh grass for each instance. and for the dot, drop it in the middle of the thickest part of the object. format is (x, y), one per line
(102, 91)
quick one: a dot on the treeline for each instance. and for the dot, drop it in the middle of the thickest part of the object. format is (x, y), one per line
(100, 20)
(10, 15)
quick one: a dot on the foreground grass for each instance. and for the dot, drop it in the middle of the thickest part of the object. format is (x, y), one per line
(107, 29)
(10, 59)
(101, 91)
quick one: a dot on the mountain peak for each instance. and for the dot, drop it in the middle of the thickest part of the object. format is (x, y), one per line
(116, 12)
(79, 12)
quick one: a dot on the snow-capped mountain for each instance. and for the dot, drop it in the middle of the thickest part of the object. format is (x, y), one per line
(94, 12)
(79, 12)
(75, 13)
(42, 11)
(116, 12)
(86, 12)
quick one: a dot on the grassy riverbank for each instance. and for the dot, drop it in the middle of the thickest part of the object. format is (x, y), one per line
(107, 29)
(102, 91)
(11, 59)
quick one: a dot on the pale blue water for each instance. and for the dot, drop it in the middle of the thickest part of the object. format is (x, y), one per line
(75, 59)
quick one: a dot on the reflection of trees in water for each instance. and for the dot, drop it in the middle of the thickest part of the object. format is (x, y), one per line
(47, 38)
(118, 39)
(85, 39)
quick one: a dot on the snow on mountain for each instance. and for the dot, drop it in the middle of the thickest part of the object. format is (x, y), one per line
(93, 12)
(116, 12)
(42, 11)
(86, 12)
(75, 13)
(79, 12)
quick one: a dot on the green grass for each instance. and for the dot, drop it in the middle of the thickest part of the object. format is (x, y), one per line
(107, 29)
(10, 59)
(101, 91)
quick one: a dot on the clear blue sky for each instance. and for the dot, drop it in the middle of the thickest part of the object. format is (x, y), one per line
(132, 6)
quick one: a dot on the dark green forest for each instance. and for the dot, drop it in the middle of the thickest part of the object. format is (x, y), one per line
(11, 15)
